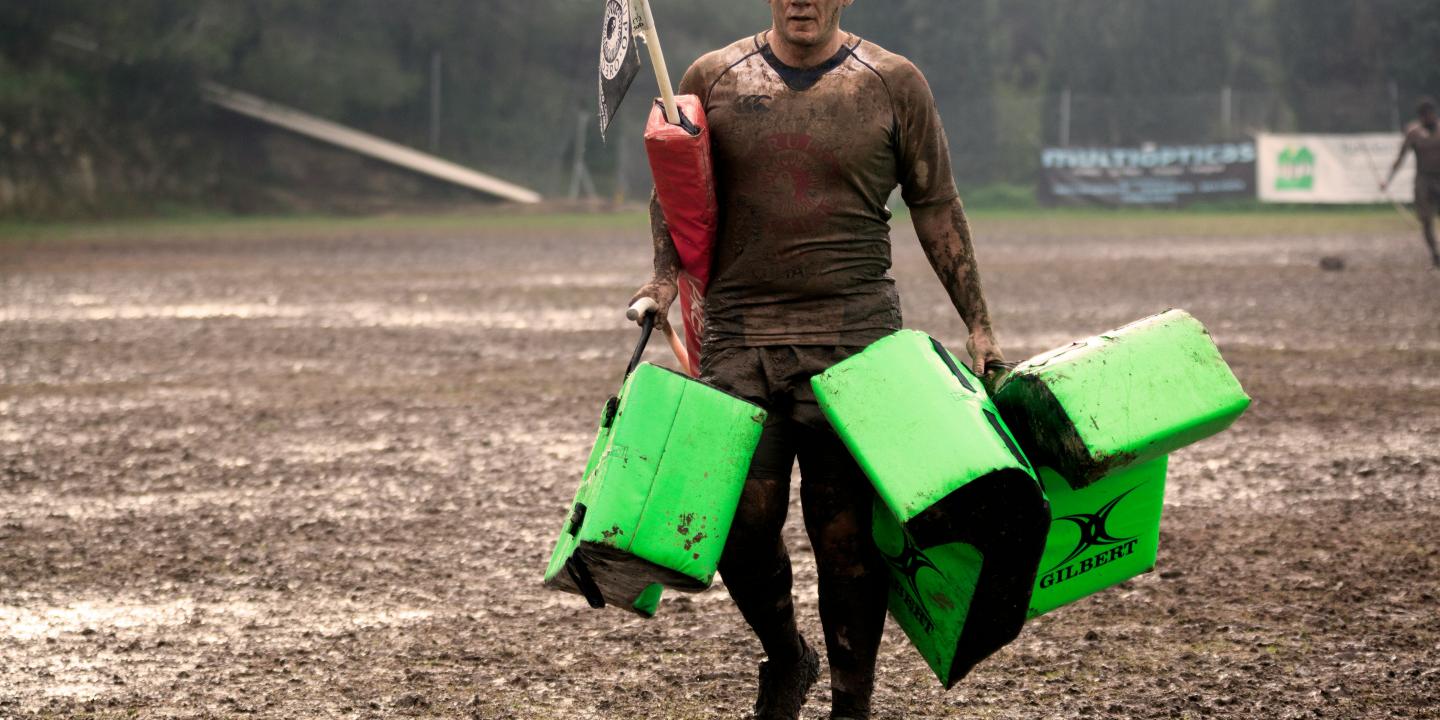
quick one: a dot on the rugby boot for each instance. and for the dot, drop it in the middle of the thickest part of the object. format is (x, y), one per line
(783, 687)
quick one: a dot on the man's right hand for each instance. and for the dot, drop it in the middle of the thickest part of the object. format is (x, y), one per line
(663, 292)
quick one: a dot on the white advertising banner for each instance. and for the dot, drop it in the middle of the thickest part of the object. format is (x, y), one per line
(1332, 168)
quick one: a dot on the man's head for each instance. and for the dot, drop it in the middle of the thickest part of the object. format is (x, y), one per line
(807, 23)
(1427, 114)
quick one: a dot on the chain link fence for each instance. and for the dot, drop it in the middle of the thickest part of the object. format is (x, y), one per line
(1000, 140)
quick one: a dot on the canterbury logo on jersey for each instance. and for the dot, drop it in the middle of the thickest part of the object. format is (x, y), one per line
(750, 104)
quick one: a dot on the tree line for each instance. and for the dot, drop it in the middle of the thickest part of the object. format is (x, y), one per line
(104, 96)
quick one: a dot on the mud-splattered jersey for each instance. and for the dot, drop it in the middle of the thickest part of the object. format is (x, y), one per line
(805, 161)
(1426, 144)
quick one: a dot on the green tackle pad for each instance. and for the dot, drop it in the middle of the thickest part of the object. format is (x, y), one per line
(1101, 535)
(659, 492)
(950, 479)
(1120, 399)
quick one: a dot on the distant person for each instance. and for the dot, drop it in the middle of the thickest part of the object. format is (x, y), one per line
(1423, 138)
(813, 127)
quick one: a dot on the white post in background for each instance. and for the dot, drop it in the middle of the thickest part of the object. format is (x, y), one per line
(1395, 114)
(1065, 117)
(1227, 109)
(622, 165)
(435, 68)
(580, 180)
(657, 59)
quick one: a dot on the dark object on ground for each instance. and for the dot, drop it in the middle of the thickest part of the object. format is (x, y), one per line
(1330, 263)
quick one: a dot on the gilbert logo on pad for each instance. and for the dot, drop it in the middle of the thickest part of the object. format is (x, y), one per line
(1094, 533)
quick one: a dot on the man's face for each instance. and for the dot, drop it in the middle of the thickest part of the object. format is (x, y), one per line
(808, 23)
(1429, 119)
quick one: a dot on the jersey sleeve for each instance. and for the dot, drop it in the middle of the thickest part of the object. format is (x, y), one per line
(922, 152)
(692, 83)
(698, 79)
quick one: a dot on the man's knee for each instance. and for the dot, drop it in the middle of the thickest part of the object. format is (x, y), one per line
(759, 519)
(763, 503)
(843, 546)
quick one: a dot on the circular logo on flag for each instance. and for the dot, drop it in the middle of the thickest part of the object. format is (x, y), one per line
(616, 43)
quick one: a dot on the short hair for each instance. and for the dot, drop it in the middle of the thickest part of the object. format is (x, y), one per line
(1426, 105)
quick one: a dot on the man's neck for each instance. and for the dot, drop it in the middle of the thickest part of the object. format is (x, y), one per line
(805, 56)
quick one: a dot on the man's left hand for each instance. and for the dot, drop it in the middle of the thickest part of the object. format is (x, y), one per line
(984, 351)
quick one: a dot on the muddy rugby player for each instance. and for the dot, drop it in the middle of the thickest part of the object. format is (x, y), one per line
(813, 127)
(1423, 139)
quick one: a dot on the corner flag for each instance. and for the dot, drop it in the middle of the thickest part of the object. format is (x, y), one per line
(677, 140)
(619, 59)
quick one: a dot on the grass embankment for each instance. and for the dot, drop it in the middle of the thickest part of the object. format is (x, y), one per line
(1199, 222)
(202, 225)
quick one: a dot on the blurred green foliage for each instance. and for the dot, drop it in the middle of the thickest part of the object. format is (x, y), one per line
(100, 107)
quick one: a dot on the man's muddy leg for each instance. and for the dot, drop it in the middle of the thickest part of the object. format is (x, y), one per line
(837, 499)
(756, 564)
(1427, 222)
(1427, 205)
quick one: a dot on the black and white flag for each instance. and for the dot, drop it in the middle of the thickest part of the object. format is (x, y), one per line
(619, 59)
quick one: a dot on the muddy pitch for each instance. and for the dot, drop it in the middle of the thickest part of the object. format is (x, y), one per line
(317, 473)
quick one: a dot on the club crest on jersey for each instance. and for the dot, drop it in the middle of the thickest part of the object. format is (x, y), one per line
(801, 177)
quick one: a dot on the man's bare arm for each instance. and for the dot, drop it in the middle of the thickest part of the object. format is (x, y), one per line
(662, 287)
(945, 235)
(1404, 148)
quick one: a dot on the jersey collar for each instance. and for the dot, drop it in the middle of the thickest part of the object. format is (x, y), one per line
(802, 79)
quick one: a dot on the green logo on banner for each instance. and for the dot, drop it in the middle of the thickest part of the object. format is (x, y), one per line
(1297, 169)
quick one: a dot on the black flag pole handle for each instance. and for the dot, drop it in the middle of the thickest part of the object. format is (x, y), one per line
(645, 23)
(644, 310)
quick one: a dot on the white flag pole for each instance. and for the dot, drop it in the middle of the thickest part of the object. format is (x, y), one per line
(657, 58)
